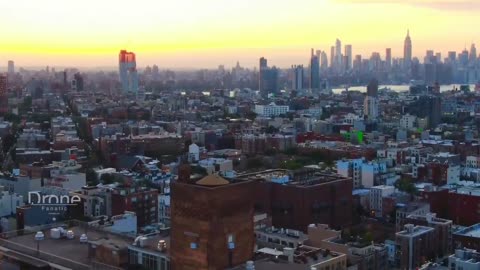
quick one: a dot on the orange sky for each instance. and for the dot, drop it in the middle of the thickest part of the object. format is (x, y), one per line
(193, 33)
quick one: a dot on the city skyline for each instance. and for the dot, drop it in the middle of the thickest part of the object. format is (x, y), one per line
(208, 34)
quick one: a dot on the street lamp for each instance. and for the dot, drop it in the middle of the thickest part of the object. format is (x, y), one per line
(39, 236)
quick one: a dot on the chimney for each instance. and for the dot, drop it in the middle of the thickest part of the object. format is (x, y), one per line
(289, 253)
(409, 228)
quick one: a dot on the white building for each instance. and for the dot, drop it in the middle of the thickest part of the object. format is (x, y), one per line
(9, 202)
(363, 173)
(464, 259)
(271, 110)
(217, 165)
(473, 162)
(408, 121)
(370, 107)
(193, 152)
(370, 170)
(453, 174)
(376, 198)
(351, 168)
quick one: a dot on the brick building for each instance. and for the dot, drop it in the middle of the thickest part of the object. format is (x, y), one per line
(211, 221)
(141, 200)
(305, 199)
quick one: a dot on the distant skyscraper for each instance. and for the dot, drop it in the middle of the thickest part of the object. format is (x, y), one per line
(332, 56)
(262, 68)
(3, 94)
(357, 64)
(388, 58)
(348, 57)
(268, 78)
(473, 54)
(338, 54)
(314, 72)
(407, 51)
(297, 79)
(128, 72)
(77, 82)
(11, 67)
(463, 57)
(452, 57)
(324, 61)
(438, 57)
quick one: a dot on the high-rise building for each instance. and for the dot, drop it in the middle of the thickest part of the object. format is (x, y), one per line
(429, 57)
(263, 66)
(428, 106)
(338, 54)
(77, 82)
(348, 57)
(438, 57)
(297, 79)
(371, 100)
(11, 67)
(415, 245)
(212, 223)
(3, 94)
(407, 51)
(463, 57)
(332, 56)
(473, 54)
(357, 64)
(267, 78)
(324, 61)
(452, 56)
(388, 58)
(314, 72)
(371, 108)
(128, 72)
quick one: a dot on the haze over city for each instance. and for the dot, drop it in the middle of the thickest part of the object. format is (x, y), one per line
(189, 33)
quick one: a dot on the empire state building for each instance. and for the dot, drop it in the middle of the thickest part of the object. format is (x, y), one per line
(407, 51)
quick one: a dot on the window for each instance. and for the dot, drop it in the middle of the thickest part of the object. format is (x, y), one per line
(133, 257)
(149, 261)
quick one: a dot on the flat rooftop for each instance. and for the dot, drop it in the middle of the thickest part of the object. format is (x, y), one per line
(70, 250)
(313, 178)
(417, 230)
(303, 258)
(284, 233)
(472, 231)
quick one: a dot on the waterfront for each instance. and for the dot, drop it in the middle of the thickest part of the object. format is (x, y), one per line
(398, 88)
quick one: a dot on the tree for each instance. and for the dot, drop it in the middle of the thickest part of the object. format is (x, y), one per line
(250, 115)
(91, 177)
(271, 130)
(368, 237)
(107, 178)
(406, 186)
(7, 142)
(254, 163)
(292, 165)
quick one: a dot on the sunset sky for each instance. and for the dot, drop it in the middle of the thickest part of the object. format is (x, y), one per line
(206, 33)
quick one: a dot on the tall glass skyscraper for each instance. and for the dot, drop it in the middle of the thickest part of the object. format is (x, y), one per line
(407, 51)
(128, 72)
(314, 71)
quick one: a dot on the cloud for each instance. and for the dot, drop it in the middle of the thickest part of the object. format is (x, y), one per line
(450, 5)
